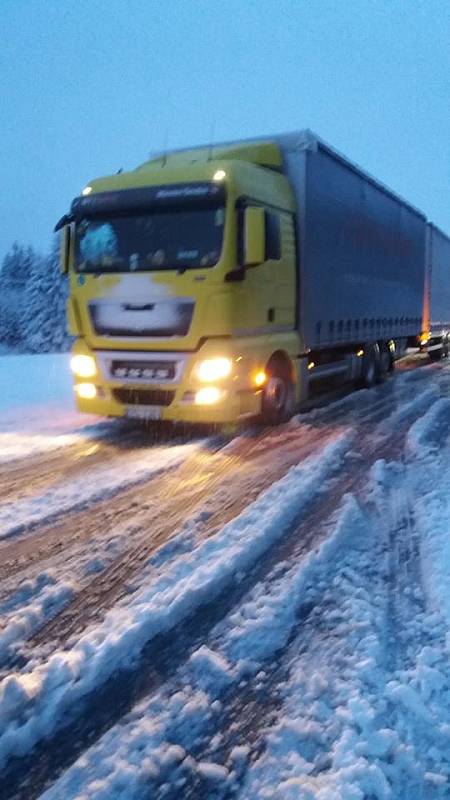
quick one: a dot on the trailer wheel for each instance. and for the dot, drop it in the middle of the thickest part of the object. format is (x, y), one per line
(278, 401)
(436, 355)
(385, 363)
(370, 367)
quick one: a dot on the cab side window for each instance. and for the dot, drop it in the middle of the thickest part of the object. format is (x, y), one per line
(273, 236)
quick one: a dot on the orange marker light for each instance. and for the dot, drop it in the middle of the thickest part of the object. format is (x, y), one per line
(260, 378)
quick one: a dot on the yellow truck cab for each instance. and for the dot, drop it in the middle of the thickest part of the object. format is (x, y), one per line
(182, 288)
(218, 283)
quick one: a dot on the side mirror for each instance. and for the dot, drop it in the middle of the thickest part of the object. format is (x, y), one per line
(65, 249)
(254, 236)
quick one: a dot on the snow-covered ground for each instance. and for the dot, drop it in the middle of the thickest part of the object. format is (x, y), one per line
(298, 651)
(37, 412)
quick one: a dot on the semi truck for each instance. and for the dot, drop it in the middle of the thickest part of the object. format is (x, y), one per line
(223, 282)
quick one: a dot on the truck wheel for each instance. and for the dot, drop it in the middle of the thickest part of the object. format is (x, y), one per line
(370, 367)
(278, 399)
(384, 364)
(436, 355)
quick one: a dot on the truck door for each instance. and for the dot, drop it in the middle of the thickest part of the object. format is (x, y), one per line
(281, 268)
(266, 300)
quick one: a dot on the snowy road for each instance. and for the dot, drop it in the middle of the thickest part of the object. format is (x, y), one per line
(261, 617)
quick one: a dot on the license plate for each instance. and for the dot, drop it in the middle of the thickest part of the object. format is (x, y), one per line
(144, 412)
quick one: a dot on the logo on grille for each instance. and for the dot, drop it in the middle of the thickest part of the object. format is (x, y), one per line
(143, 371)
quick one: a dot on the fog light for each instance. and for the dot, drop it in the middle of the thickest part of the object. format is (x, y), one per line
(83, 366)
(86, 391)
(213, 369)
(208, 396)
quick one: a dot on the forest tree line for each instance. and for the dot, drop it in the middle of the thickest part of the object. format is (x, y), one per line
(33, 295)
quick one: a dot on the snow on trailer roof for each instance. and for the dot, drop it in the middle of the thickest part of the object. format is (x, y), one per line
(304, 139)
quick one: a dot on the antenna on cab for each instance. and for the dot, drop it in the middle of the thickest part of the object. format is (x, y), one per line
(211, 138)
(165, 143)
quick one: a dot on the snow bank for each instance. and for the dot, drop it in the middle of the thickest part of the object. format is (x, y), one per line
(430, 481)
(429, 431)
(34, 602)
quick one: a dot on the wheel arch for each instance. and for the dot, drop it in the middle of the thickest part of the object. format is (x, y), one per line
(281, 362)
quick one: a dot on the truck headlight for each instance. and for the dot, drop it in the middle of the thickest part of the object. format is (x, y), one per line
(86, 391)
(208, 396)
(213, 369)
(83, 366)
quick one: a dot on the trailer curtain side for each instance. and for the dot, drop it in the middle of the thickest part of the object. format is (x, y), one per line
(361, 251)
(438, 266)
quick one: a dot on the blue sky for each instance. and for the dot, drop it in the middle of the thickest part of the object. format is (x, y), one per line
(89, 86)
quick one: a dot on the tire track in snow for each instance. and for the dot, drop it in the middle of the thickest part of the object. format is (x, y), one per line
(230, 502)
(248, 488)
(90, 605)
(24, 475)
(229, 492)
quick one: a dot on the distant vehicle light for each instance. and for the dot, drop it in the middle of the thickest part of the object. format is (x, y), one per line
(87, 190)
(311, 365)
(219, 175)
(208, 396)
(360, 353)
(260, 378)
(83, 366)
(86, 391)
(213, 369)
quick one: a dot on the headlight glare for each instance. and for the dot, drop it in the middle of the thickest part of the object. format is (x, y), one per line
(86, 391)
(83, 366)
(208, 396)
(213, 369)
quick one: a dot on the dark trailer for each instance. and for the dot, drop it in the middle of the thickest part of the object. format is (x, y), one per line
(361, 250)
(437, 309)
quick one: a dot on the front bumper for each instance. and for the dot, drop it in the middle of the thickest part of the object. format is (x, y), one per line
(172, 400)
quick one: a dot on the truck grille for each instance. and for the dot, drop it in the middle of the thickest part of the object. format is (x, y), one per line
(144, 397)
(143, 370)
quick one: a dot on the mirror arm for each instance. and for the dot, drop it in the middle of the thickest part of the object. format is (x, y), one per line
(65, 220)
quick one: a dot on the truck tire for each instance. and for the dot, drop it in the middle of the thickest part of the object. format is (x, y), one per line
(370, 367)
(278, 403)
(436, 355)
(385, 363)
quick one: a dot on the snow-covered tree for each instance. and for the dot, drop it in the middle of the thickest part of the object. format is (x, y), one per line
(44, 308)
(16, 267)
(15, 273)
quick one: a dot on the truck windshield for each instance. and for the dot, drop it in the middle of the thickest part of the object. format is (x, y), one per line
(166, 239)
